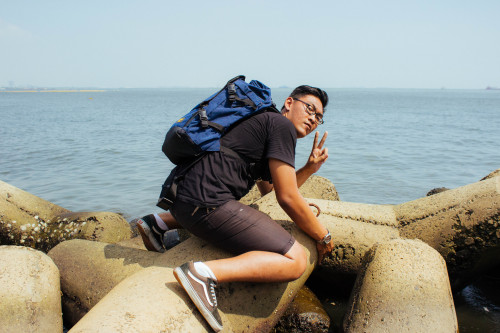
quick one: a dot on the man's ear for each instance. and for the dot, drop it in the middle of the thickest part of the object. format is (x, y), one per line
(288, 104)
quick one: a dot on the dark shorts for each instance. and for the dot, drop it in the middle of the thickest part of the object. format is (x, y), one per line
(234, 227)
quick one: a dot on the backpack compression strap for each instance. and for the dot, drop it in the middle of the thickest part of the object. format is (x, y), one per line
(231, 90)
(233, 96)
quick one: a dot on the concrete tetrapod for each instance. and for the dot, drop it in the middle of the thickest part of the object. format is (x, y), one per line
(104, 266)
(249, 307)
(355, 228)
(462, 224)
(305, 314)
(150, 300)
(314, 187)
(28, 220)
(402, 286)
(89, 270)
(30, 299)
(492, 174)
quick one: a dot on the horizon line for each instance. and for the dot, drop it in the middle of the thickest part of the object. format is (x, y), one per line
(102, 89)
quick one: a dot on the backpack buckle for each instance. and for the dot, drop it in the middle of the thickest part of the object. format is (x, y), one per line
(231, 91)
(203, 118)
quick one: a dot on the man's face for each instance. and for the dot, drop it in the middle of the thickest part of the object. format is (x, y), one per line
(297, 112)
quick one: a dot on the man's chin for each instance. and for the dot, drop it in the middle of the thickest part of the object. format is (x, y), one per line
(301, 135)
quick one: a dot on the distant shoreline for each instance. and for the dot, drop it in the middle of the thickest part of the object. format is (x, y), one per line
(52, 90)
(63, 90)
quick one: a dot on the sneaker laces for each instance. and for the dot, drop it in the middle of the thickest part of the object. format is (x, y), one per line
(212, 286)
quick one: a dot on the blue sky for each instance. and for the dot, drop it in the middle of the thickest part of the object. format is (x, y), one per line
(331, 44)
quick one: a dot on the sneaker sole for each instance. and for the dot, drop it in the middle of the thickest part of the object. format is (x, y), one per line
(184, 282)
(145, 233)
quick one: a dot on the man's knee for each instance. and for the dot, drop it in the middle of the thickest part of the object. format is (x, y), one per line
(298, 255)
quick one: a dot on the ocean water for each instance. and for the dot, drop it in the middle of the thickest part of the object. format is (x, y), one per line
(91, 151)
(101, 151)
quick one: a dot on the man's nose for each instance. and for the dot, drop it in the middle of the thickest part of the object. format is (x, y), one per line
(312, 118)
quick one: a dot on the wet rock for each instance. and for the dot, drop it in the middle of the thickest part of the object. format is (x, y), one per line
(461, 224)
(30, 298)
(304, 314)
(133, 227)
(30, 221)
(437, 190)
(98, 226)
(394, 292)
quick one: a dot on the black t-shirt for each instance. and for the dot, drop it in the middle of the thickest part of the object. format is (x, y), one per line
(219, 177)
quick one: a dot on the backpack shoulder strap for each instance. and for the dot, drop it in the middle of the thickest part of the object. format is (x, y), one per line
(169, 192)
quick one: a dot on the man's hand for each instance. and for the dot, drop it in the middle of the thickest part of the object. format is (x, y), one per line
(318, 153)
(324, 250)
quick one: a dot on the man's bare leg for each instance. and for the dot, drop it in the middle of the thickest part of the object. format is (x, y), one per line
(261, 266)
(255, 266)
(170, 221)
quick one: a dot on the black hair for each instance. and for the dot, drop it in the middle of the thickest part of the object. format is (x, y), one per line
(304, 90)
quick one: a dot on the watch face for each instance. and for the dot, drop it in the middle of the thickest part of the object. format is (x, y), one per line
(327, 238)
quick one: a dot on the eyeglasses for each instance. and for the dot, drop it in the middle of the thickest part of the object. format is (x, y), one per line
(310, 109)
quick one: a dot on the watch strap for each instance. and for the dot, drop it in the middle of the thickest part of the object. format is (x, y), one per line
(325, 240)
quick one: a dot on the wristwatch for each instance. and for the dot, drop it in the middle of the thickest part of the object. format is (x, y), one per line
(325, 240)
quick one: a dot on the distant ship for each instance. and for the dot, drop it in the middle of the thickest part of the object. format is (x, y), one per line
(492, 88)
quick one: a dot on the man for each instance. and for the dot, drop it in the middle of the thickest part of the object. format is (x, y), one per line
(207, 205)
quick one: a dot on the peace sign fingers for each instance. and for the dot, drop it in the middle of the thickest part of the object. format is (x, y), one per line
(317, 148)
(323, 139)
(322, 142)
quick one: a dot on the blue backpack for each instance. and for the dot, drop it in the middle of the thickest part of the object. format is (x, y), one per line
(201, 129)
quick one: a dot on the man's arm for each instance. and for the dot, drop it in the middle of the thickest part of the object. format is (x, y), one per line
(292, 202)
(264, 187)
(316, 159)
